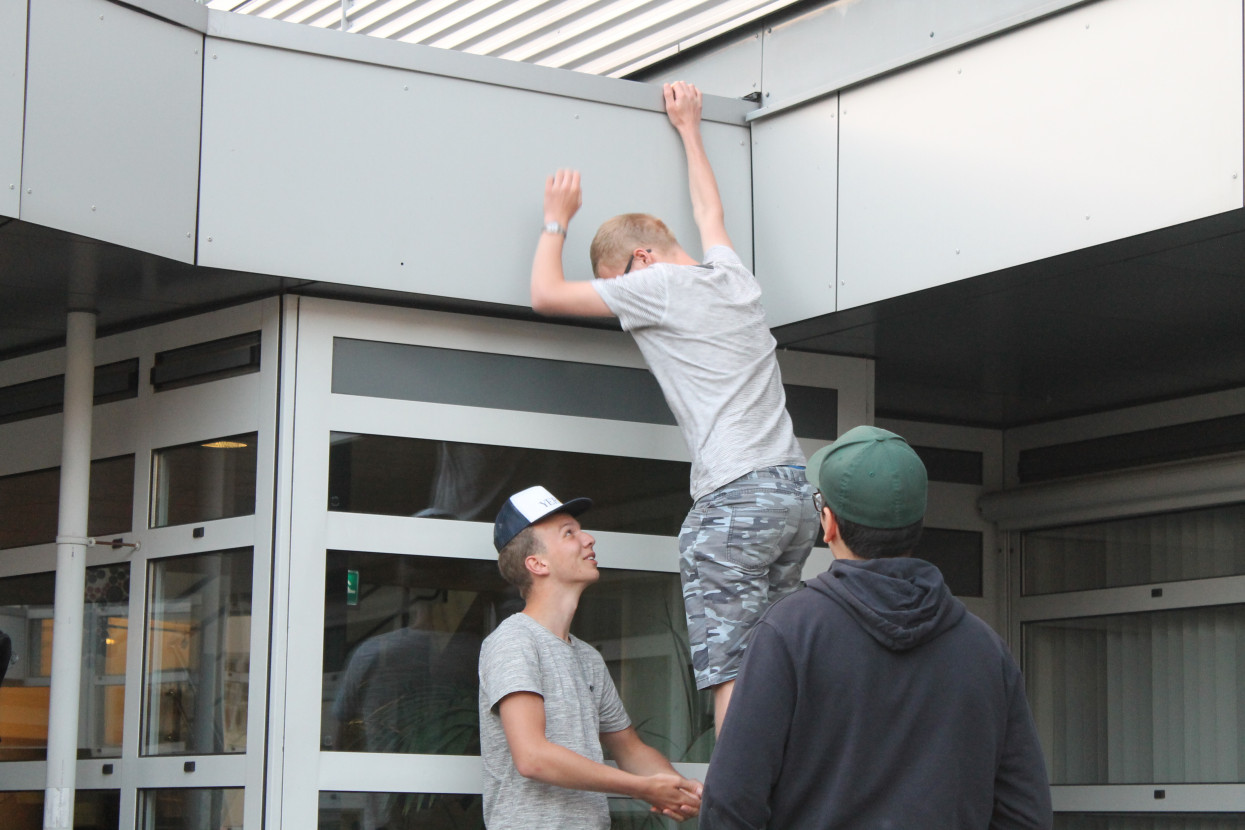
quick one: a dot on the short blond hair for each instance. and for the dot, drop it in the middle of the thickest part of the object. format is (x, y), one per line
(618, 237)
(512, 560)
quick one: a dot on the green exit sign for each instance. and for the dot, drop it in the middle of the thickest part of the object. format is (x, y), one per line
(352, 587)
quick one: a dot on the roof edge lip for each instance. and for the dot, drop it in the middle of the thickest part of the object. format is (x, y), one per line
(432, 60)
(185, 13)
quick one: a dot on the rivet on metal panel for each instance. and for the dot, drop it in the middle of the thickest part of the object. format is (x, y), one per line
(210, 238)
(12, 186)
(931, 34)
(213, 57)
(187, 234)
(1234, 175)
(576, 116)
(959, 71)
(92, 207)
(1087, 217)
(767, 95)
(406, 88)
(957, 251)
(29, 191)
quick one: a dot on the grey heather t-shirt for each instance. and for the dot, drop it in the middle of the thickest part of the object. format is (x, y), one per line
(580, 703)
(702, 331)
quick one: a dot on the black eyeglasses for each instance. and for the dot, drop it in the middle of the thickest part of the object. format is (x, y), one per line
(819, 502)
(631, 259)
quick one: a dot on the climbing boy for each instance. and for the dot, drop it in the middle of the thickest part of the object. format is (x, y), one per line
(701, 328)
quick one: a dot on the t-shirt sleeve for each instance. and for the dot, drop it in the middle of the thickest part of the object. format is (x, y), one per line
(613, 715)
(507, 666)
(638, 299)
(723, 254)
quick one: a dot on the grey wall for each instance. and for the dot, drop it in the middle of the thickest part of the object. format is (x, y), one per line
(1101, 122)
(112, 125)
(12, 93)
(398, 176)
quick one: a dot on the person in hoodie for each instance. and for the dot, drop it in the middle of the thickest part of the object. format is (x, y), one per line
(872, 698)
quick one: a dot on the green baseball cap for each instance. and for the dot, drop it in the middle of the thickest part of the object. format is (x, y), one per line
(871, 476)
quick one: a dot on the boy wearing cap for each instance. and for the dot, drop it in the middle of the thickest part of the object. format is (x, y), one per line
(547, 702)
(873, 698)
(702, 330)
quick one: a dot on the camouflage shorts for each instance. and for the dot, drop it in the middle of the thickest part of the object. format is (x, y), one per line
(742, 547)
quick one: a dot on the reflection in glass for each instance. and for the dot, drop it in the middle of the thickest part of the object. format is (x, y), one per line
(1150, 821)
(92, 810)
(1140, 698)
(204, 481)
(26, 607)
(402, 642)
(30, 502)
(1194, 544)
(452, 480)
(454, 811)
(198, 654)
(191, 809)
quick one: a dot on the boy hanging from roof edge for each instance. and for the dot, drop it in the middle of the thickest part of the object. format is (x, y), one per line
(702, 331)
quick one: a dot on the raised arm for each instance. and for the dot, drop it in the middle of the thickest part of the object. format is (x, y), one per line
(523, 719)
(551, 293)
(683, 108)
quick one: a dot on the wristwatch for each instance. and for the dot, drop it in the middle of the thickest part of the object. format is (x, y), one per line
(553, 227)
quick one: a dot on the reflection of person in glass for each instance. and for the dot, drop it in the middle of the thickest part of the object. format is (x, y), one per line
(547, 702)
(398, 694)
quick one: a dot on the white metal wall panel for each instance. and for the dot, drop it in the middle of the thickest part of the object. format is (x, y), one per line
(795, 171)
(1107, 121)
(853, 41)
(112, 125)
(12, 95)
(370, 175)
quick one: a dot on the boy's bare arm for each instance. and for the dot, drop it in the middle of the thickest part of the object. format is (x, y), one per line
(683, 108)
(551, 293)
(523, 719)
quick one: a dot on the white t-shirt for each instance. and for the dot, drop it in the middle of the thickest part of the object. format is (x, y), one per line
(580, 703)
(702, 331)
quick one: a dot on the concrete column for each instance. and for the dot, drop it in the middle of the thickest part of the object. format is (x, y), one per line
(70, 573)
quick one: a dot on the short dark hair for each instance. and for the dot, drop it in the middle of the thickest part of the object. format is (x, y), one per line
(880, 542)
(512, 560)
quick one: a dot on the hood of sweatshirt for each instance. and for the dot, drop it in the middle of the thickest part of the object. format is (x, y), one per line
(901, 602)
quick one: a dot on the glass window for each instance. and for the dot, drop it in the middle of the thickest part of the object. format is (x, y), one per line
(401, 811)
(201, 809)
(1194, 544)
(402, 643)
(30, 502)
(204, 481)
(203, 362)
(26, 616)
(198, 654)
(92, 810)
(1140, 698)
(958, 554)
(451, 811)
(1150, 821)
(400, 371)
(450, 480)
(497, 381)
(46, 396)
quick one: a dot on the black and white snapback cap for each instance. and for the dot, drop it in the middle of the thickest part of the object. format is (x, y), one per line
(526, 508)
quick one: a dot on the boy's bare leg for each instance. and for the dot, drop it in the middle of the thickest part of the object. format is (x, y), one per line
(721, 700)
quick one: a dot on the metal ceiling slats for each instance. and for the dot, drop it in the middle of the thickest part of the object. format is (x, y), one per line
(600, 37)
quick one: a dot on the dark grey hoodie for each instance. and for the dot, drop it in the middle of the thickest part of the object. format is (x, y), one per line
(873, 699)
